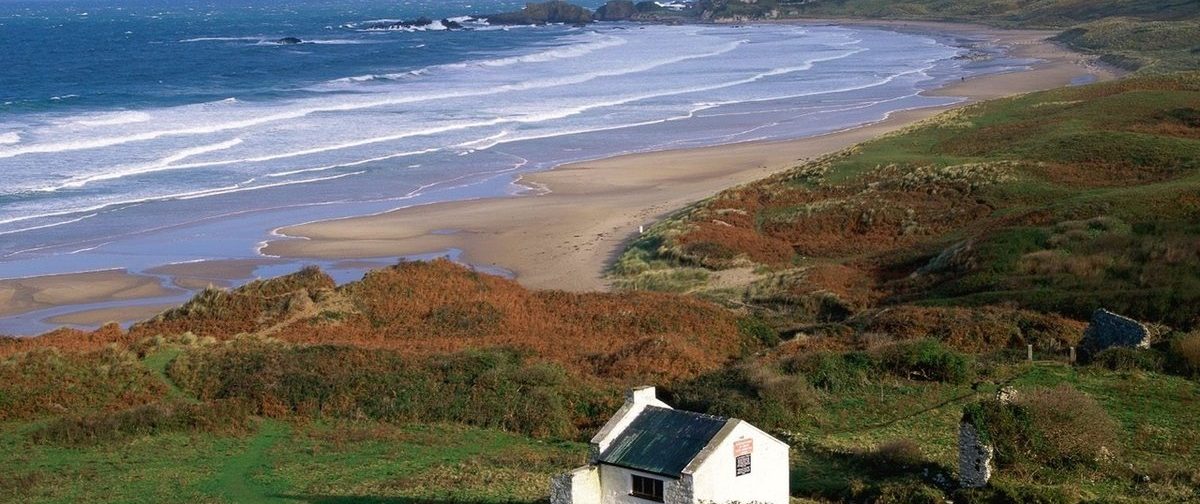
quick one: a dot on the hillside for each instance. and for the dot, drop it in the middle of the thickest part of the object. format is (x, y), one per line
(406, 387)
(1150, 35)
(1059, 202)
(1026, 14)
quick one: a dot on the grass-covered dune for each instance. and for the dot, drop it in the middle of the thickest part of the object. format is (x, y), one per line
(1022, 13)
(1058, 202)
(1133, 44)
(1145, 35)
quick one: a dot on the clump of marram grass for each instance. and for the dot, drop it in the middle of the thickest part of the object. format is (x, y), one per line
(974, 175)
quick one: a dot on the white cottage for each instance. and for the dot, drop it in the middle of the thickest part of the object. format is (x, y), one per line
(649, 452)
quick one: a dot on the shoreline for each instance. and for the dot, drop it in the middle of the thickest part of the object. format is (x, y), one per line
(566, 236)
(567, 229)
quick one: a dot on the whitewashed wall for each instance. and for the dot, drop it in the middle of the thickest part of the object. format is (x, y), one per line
(615, 487)
(715, 479)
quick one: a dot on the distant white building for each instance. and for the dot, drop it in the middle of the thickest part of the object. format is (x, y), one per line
(649, 452)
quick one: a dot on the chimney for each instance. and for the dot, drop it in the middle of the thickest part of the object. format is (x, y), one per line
(642, 395)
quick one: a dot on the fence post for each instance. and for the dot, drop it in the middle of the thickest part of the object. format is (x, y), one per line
(1029, 352)
(1072, 355)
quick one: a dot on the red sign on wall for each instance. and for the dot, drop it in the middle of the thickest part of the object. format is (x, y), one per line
(743, 447)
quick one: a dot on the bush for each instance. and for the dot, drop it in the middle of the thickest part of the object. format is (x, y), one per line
(755, 329)
(896, 456)
(1184, 354)
(1058, 427)
(927, 360)
(833, 371)
(907, 492)
(1130, 359)
(1071, 428)
(487, 388)
(47, 381)
(1008, 493)
(216, 416)
(759, 394)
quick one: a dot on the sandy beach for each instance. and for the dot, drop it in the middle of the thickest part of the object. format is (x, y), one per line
(565, 231)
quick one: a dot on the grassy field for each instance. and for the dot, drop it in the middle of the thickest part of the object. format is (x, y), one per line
(280, 461)
(867, 423)
(97, 449)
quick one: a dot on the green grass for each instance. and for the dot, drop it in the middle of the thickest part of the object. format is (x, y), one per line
(350, 461)
(1030, 13)
(1155, 413)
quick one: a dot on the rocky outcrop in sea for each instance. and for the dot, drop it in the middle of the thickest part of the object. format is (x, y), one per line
(422, 23)
(555, 11)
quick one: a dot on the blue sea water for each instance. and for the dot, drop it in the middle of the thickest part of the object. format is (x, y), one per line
(144, 132)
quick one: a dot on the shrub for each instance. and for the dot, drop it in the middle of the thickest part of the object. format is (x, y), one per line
(898, 455)
(926, 360)
(1184, 353)
(906, 492)
(47, 381)
(759, 394)
(1010, 493)
(832, 371)
(756, 330)
(1130, 359)
(215, 416)
(1071, 427)
(1057, 427)
(489, 388)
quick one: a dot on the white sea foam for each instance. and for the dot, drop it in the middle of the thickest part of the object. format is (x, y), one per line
(583, 83)
(222, 39)
(46, 226)
(219, 192)
(95, 143)
(114, 119)
(10, 137)
(353, 163)
(166, 163)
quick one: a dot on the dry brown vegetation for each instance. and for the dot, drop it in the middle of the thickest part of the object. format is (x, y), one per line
(47, 381)
(1058, 202)
(431, 308)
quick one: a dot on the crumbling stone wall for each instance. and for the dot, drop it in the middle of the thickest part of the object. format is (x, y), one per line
(974, 457)
(1108, 330)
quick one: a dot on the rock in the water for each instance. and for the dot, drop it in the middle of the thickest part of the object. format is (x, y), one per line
(616, 10)
(421, 23)
(554, 11)
(289, 41)
(974, 457)
(1109, 330)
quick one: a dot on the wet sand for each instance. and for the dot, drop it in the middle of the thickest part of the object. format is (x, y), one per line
(22, 295)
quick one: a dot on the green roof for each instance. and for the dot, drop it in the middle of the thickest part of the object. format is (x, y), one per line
(662, 440)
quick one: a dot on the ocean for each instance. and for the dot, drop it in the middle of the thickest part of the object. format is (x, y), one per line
(140, 133)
